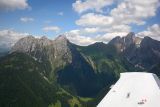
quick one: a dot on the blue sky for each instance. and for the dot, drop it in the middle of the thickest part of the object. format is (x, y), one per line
(90, 20)
(45, 13)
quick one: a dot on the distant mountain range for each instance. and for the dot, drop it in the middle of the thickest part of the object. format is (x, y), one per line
(58, 73)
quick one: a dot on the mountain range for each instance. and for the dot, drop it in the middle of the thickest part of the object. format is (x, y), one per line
(57, 73)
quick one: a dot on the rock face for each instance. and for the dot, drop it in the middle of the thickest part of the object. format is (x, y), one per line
(86, 70)
(39, 47)
(143, 53)
(80, 70)
(122, 43)
(30, 44)
(146, 55)
(62, 49)
(67, 65)
(54, 54)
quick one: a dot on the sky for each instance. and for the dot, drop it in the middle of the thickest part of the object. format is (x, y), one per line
(82, 21)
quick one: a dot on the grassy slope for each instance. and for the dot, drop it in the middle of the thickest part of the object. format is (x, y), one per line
(105, 60)
(23, 85)
(107, 64)
(93, 70)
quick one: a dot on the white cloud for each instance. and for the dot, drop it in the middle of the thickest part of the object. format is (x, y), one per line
(8, 38)
(127, 12)
(60, 13)
(9, 5)
(134, 11)
(76, 36)
(85, 31)
(92, 30)
(96, 5)
(119, 19)
(93, 20)
(51, 28)
(82, 37)
(152, 31)
(26, 19)
(109, 36)
(117, 28)
(101, 23)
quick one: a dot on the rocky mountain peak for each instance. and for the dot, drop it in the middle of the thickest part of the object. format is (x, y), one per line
(45, 49)
(62, 48)
(147, 38)
(61, 42)
(44, 41)
(61, 38)
(43, 38)
(24, 44)
(149, 42)
(129, 39)
(121, 43)
(130, 35)
(146, 41)
(30, 37)
(29, 44)
(115, 40)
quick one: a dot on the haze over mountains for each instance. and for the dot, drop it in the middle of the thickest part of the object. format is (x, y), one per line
(58, 72)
